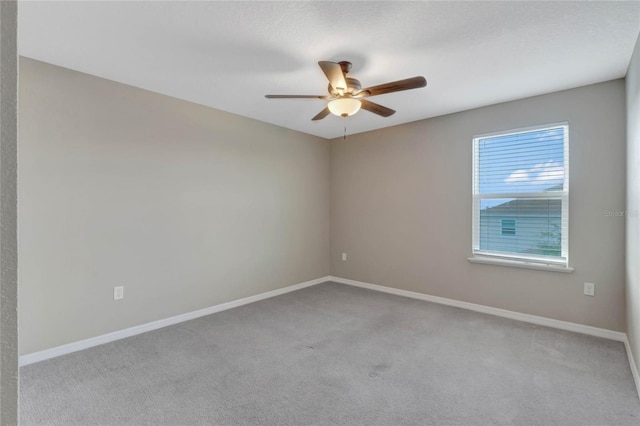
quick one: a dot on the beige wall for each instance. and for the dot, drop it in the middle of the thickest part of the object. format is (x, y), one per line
(633, 204)
(189, 207)
(401, 208)
(185, 206)
(8, 211)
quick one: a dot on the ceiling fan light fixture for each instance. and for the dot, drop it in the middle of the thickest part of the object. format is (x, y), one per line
(347, 96)
(344, 107)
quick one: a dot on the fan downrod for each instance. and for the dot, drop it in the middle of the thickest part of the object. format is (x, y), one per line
(346, 66)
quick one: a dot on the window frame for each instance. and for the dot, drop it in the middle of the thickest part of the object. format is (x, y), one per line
(560, 263)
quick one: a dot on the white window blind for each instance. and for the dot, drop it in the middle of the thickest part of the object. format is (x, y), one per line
(521, 195)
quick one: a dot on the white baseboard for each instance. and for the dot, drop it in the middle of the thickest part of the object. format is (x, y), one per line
(143, 328)
(632, 365)
(533, 319)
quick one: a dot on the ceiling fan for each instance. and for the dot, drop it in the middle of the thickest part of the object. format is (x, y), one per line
(346, 95)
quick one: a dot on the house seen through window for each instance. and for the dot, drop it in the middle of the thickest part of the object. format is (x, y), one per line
(521, 193)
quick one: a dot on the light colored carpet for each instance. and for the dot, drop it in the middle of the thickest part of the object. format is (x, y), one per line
(334, 354)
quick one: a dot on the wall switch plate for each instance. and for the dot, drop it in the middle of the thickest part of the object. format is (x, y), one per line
(118, 293)
(589, 289)
(344, 257)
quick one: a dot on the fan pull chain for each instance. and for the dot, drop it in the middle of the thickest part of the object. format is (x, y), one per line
(345, 129)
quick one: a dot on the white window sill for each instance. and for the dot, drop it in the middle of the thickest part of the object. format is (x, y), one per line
(520, 264)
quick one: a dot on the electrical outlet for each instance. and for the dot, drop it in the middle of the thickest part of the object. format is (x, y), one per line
(589, 289)
(118, 293)
(344, 257)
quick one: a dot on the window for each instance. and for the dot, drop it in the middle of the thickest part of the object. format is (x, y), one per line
(508, 227)
(521, 177)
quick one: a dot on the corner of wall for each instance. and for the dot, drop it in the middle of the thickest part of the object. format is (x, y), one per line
(632, 268)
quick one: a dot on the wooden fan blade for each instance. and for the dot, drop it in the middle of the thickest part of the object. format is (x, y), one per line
(296, 97)
(322, 114)
(334, 74)
(376, 109)
(395, 86)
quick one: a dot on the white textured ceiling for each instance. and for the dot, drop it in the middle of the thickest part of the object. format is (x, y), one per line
(228, 55)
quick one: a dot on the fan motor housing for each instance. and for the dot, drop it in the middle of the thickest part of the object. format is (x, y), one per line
(353, 86)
